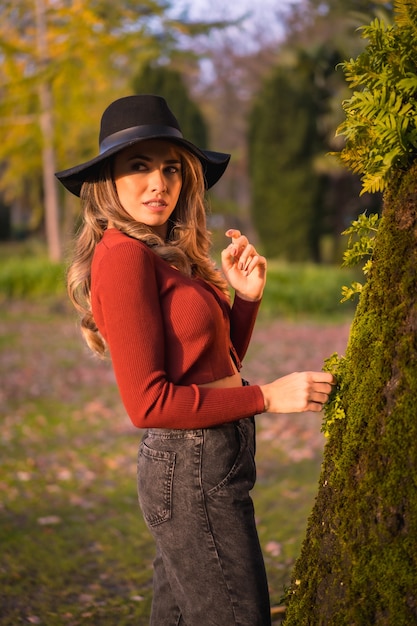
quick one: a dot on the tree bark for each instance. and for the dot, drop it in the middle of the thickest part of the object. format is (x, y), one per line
(48, 153)
(358, 563)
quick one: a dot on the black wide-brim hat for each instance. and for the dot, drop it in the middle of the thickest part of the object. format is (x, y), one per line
(133, 119)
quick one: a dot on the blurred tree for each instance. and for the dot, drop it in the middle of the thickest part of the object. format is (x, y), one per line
(167, 82)
(233, 70)
(299, 194)
(358, 563)
(60, 62)
(47, 129)
(283, 141)
(325, 7)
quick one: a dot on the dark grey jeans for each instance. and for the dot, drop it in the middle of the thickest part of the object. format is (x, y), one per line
(194, 494)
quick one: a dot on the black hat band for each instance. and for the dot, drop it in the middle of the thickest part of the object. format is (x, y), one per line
(137, 132)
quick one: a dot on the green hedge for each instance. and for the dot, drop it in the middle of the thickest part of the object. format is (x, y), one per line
(292, 289)
(306, 289)
(27, 277)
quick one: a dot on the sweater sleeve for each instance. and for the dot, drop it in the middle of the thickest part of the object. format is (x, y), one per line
(242, 322)
(126, 297)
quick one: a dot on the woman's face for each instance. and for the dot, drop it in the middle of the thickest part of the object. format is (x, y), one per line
(148, 181)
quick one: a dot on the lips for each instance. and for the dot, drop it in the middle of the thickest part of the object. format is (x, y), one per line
(156, 205)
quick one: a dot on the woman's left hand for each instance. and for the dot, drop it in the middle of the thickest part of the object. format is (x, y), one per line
(243, 267)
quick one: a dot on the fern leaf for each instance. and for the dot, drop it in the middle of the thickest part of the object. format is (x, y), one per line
(406, 14)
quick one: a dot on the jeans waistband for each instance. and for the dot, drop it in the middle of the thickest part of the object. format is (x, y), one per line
(187, 433)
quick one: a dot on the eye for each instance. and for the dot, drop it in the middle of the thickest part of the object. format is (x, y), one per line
(173, 169)
(137, 166)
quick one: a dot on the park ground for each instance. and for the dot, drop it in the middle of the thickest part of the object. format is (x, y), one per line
(73, 547)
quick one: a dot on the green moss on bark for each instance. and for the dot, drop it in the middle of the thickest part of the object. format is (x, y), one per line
(358, 564)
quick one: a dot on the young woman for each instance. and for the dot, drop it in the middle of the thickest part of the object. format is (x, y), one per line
(148, 291)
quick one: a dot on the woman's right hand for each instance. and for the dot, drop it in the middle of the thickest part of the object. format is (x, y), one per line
(298, 392)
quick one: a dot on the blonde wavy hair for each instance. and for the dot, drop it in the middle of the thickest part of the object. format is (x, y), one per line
(187, 246)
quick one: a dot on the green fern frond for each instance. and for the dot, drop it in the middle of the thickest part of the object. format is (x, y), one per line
(380, 127)
(408, 85)
(406, 13)
(349, 293)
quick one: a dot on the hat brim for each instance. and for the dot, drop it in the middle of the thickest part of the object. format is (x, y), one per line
(214, 163)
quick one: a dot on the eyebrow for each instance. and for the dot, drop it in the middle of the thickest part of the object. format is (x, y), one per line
(143, 157)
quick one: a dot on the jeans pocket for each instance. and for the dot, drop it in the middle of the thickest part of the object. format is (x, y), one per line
(231, 465)
(155, 480)
(222, 450)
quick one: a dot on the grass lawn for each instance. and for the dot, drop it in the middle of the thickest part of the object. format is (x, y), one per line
(73, 547)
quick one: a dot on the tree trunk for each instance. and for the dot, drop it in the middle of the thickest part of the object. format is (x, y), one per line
(358, 564)
(48, 154)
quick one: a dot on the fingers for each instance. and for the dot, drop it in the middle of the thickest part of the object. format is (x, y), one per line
(322, 377)
(239, 242)
(248, 260)
(243, 252)
(233, 232)
(298, 392)
(320, 388)
(317, 401)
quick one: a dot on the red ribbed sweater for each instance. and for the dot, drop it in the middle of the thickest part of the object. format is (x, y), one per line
(168, 333)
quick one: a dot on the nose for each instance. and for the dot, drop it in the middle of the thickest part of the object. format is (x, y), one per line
(158, 182)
